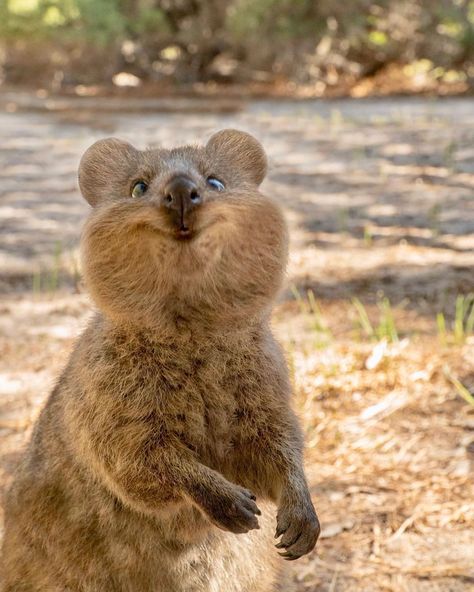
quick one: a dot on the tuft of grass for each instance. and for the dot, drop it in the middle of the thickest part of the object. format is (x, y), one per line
(385, 328)
(460, 388)
(441, 324)
(463, 318)
(368, 236)
(318, 323)
(469, 323)
(310, 308)
(463, 324)
(363, 318)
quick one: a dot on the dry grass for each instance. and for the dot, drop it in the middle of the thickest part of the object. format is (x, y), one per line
(390, 451)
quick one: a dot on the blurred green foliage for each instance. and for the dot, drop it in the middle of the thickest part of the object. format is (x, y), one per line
(193, 40)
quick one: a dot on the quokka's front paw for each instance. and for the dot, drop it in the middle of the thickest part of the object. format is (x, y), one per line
(232, 508)
(298, 523)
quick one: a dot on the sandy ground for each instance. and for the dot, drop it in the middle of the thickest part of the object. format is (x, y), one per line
(379, 197)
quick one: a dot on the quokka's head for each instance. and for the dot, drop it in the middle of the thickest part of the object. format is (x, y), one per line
(181, 237)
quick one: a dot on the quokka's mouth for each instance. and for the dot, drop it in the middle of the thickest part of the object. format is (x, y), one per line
(184, 233)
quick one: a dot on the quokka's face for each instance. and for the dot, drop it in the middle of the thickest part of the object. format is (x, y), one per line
(181, 235)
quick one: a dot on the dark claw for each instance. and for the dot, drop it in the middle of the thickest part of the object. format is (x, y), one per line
(289, 543)
(298, 523)
(279, 531)
(235, 510)
(248, 493)
(289, 556)
(280, 545)
(252, 506)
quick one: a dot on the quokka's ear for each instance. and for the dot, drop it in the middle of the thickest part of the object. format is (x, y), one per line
(238, 152)
(105, 169)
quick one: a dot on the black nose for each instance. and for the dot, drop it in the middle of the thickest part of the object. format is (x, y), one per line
(180, 197)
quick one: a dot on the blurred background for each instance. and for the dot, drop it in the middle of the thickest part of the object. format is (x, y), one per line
(285, 46)
(366, 110)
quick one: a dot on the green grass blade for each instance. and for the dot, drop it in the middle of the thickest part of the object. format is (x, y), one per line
(441, 324)
(460, 388)
(363, 317)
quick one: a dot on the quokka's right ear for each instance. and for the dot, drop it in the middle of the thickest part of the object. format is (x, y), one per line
(105, 169)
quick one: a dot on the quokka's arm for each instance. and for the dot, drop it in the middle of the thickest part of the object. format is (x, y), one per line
(148, 472)
(272, 445)
(277, 460)
(297, 521)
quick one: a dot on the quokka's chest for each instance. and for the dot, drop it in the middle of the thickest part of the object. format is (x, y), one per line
(201, 404)
(207, 401)
(203, 418)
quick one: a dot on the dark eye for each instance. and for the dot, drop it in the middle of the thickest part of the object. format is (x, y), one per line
(139, 189)
(215, 184)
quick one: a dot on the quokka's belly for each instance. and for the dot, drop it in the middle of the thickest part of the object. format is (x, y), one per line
(187, 554)
(223, 562)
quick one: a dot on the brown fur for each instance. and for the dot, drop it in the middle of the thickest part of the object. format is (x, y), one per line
(175, 401)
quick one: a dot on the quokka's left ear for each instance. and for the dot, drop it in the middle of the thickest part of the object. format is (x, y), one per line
(240, 152)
